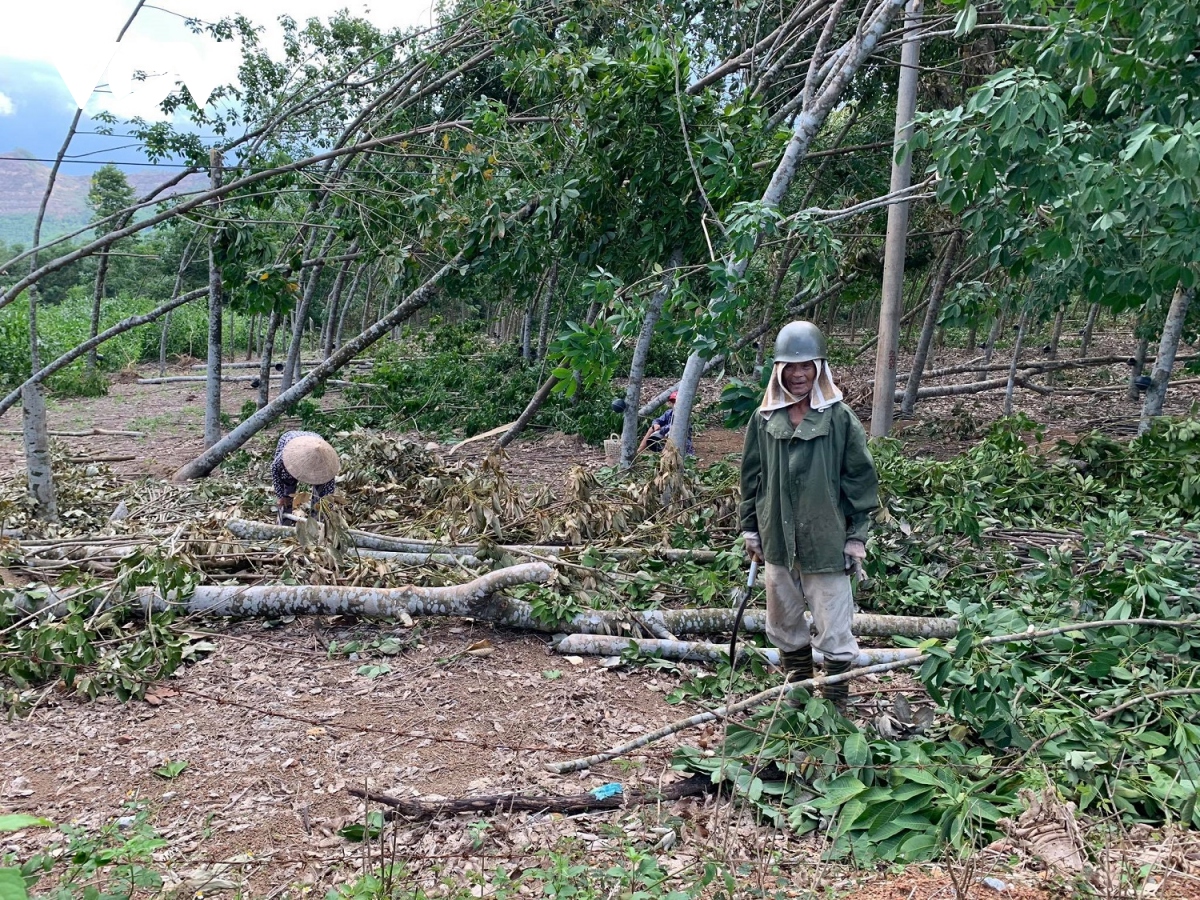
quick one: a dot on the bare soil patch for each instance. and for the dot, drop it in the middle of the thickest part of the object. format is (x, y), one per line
(273, 730)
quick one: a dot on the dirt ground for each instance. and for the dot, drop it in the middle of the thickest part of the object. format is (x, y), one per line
(275, 728)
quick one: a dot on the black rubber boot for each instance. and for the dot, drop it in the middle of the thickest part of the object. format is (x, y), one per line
(797, 664)
(837, 694)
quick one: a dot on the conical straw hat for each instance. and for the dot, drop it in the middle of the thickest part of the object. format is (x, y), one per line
(310, 459)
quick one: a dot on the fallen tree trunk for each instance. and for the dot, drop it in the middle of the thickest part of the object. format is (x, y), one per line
(262, 531)
(91, 432)
(1036, 367)
(606, 645)
(975, 387)
(473, 599)
(179, 379)
(511, 612)
(720, 621)
(415, 558)
(574, 803)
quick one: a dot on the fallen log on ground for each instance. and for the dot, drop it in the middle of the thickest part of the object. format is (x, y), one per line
(473, 599)
(414, 559)
(307, 363)
(238, 379)
(608, 645)
(90, 432)
(262, 531)
(775, 693)
(567, 805)
(974, 387)
(1034, 367)
(720, 621)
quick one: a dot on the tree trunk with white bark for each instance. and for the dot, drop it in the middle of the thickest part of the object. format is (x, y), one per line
(97, 300)
(1016, 359)
(37, 454)
(1056, 333)
(641, 352)
(335, 300)
(613, 645)
(895, 241)
(212, 388)
(1160, 377)
(544, 317)
(1135, 371)
(291, 366)
(931, 318)
(1085, 341)
(265, 360)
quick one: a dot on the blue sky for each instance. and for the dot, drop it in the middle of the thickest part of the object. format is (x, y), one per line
(50, 57)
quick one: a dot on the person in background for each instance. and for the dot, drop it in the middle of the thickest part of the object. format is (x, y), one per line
(808, 488)
(660, 430)
(302, 456)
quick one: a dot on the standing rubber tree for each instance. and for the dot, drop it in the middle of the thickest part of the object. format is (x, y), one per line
(925, 341)
(212, 384)
(109, 196)
(1165, 361)
(883, 402)
(641, 352)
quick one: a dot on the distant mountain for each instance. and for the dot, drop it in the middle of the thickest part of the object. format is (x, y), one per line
(23, 181)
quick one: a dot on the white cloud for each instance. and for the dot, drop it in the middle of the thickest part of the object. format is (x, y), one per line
(76, 36)
(7, 108)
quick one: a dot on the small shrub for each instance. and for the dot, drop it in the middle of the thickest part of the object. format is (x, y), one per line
(77, 381)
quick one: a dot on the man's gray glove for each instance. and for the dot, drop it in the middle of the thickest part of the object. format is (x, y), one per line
(753, 544)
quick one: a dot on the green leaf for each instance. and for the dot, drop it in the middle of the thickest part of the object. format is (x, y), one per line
(919, 846)
(172, 769)
(358, 831)
(839, 791)
(855, 750)
(965, 21)
(18, 821)
(12, 885)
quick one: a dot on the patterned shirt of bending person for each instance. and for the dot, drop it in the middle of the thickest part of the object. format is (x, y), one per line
(285, 485)
(664, 424)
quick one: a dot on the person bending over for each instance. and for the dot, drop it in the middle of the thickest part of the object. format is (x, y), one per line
(302, 456)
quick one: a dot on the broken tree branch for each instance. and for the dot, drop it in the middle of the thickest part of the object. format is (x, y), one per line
(774, 693)
(609, 645)
(574, 803)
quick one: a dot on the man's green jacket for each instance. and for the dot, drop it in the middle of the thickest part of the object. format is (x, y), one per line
(807, 490)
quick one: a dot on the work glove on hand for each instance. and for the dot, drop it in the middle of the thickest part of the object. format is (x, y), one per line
(282, 513)
(854, 553)
(753, 544)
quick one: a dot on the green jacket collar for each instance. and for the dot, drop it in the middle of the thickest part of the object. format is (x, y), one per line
(814, 425)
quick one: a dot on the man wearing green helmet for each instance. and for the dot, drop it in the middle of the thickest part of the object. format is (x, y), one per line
(808, 488)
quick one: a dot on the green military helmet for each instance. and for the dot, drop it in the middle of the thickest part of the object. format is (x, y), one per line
(799, 342)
